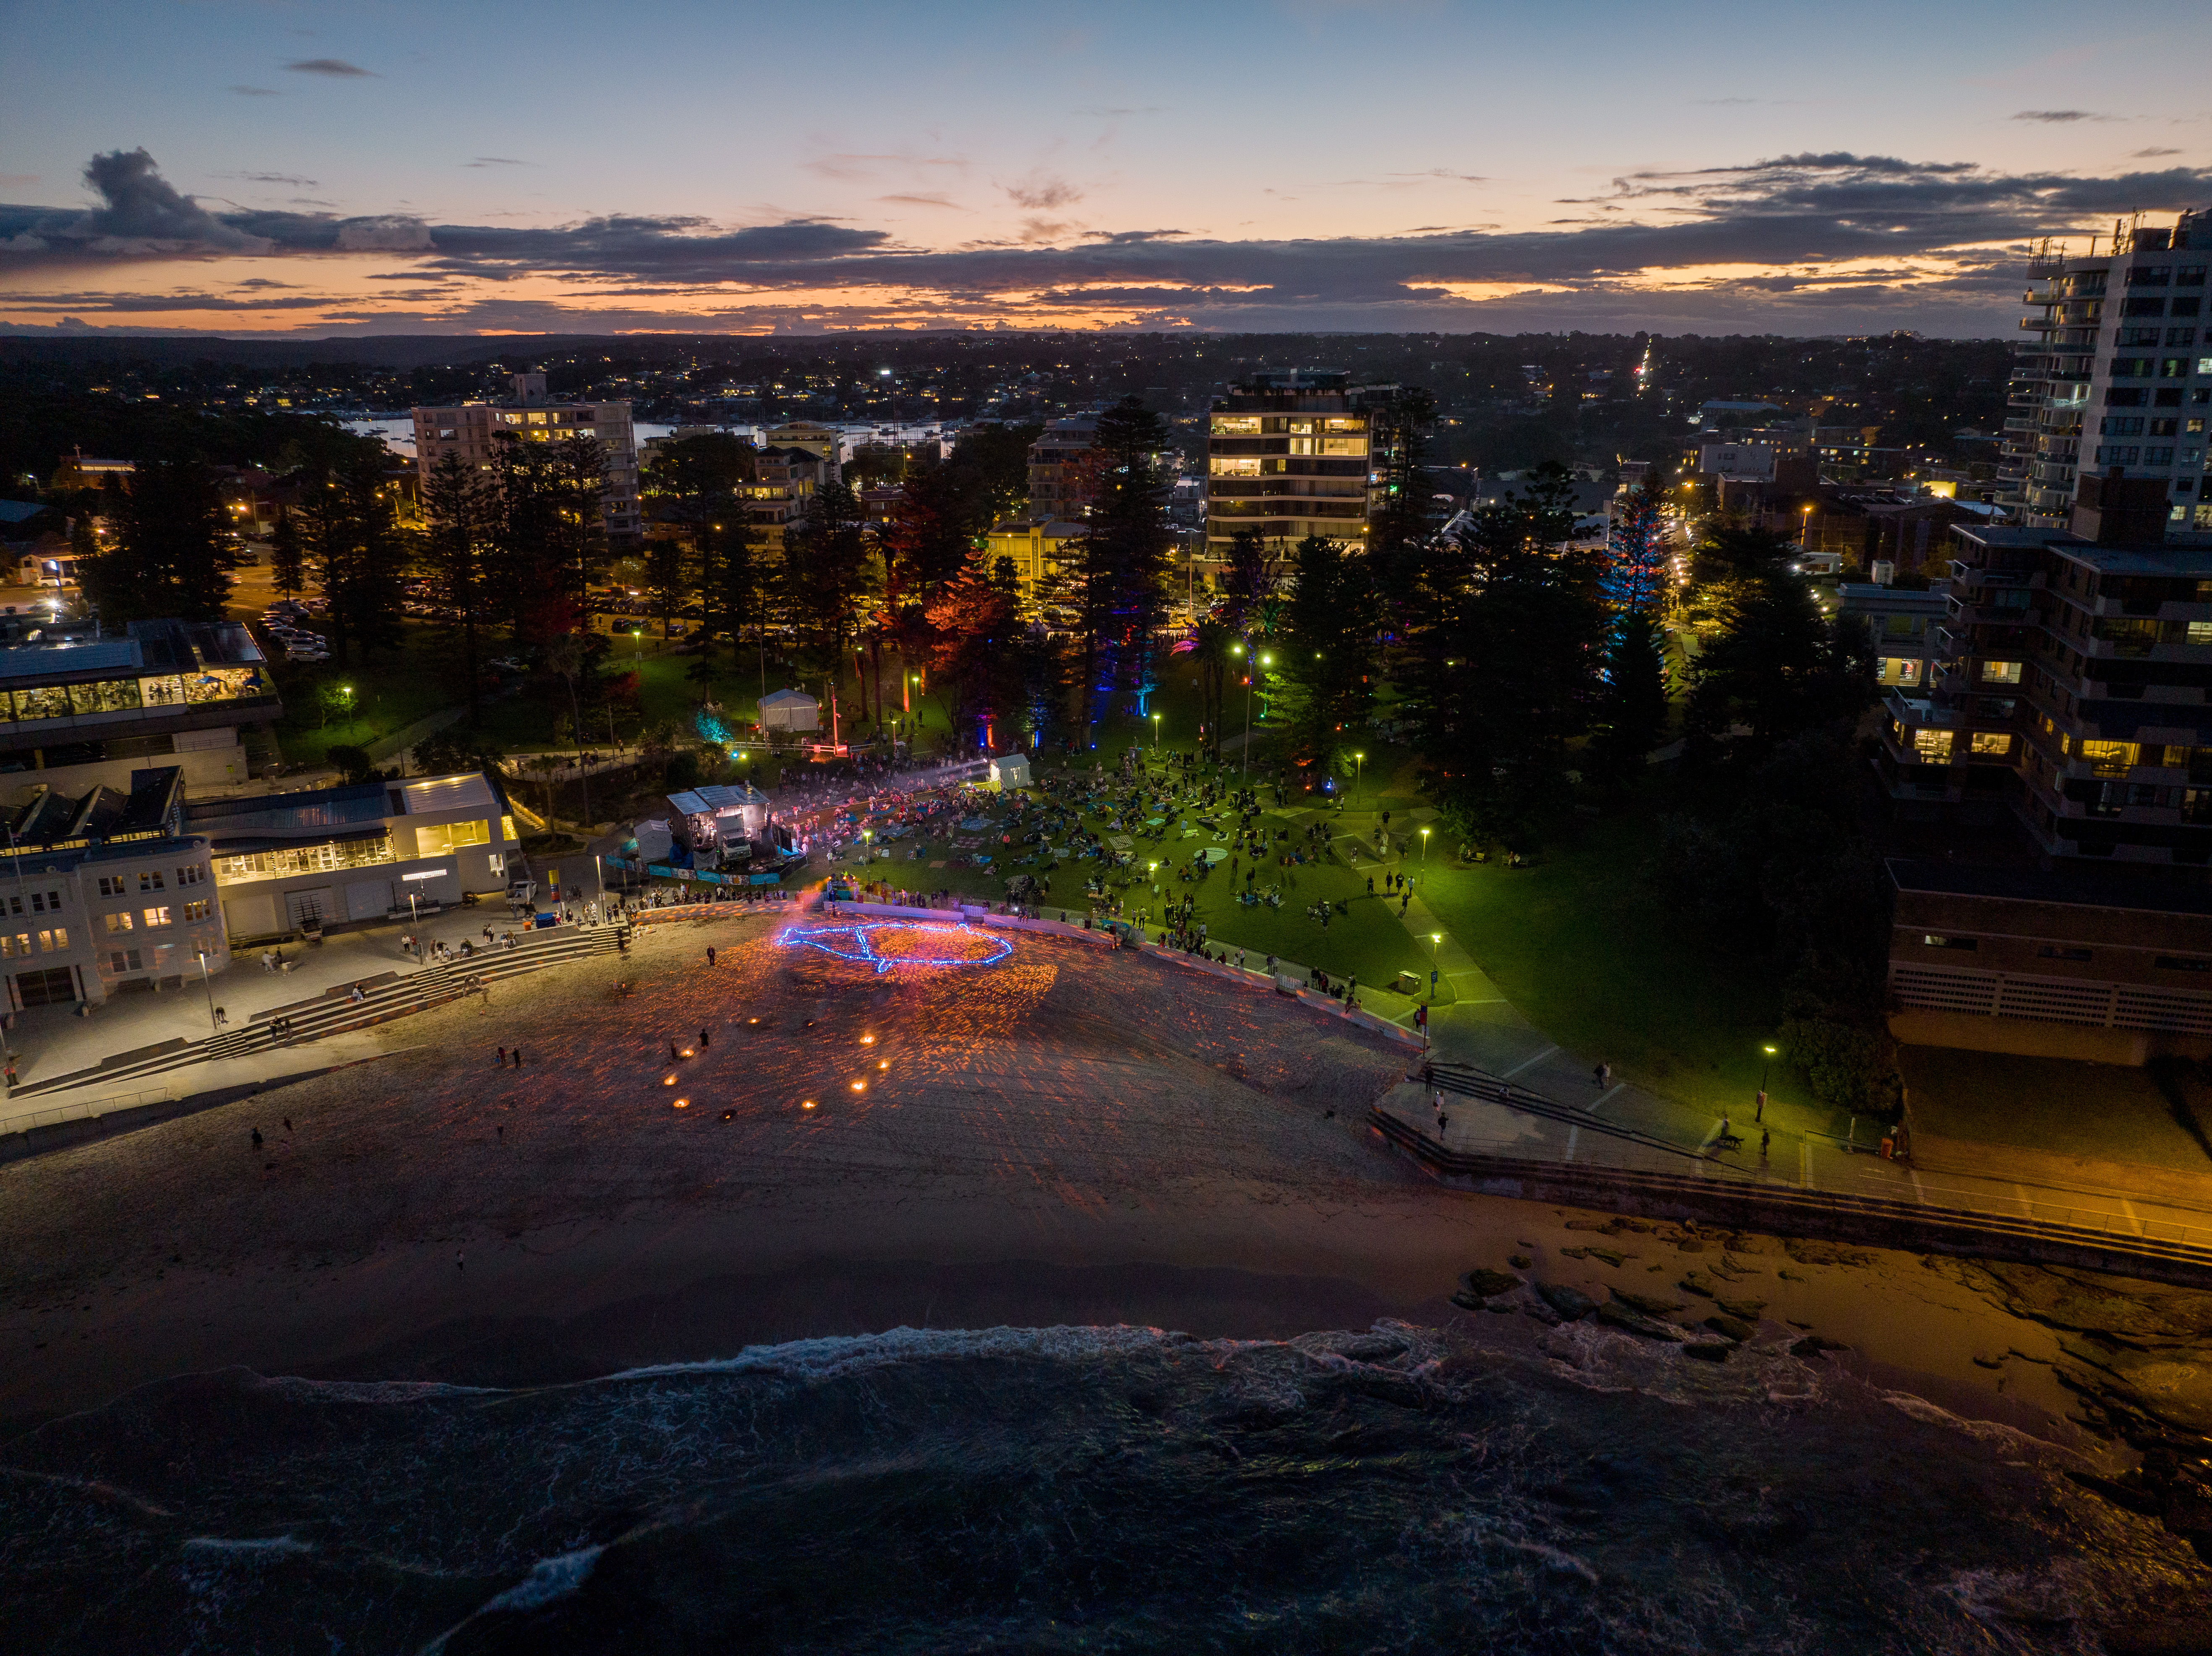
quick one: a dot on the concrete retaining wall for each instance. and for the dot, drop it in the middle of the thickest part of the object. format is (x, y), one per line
(1786, 1211)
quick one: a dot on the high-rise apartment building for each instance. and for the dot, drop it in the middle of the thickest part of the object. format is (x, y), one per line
(1295, 452)
(1063, 473)
(2112, 351)
(472, 429)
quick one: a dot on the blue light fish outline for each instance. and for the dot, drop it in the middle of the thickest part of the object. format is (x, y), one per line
(861, 949)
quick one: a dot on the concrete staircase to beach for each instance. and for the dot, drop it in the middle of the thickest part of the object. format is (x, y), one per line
(335, 1011)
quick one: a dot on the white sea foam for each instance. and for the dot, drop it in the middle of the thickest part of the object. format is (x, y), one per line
(292, 1385)
(832, 1356)
(252, 1547)
(1996, 1431)
(549, 1580)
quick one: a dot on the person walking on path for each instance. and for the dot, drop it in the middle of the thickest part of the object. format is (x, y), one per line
(710, 955)
(1766, 1138)
(705, 1041)
(518, 1058)
(1602, 1073)
(460, 1260)
(1759, 1114)
(503, 1058)
(256, 1138)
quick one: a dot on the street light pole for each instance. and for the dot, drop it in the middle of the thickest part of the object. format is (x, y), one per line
(208, 984)
(1425, 847)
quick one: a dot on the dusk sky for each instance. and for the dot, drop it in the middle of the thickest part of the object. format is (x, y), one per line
(392, 167)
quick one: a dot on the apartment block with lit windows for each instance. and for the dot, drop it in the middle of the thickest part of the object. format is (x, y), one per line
(2113, 369)
(1294, 453)
(105, 891)
(472, 429)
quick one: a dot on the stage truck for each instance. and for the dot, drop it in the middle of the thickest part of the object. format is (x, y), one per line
(728, 830)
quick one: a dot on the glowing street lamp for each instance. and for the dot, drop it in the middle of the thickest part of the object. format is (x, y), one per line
(1156, 732)
(1425, 847)
(1359, 762)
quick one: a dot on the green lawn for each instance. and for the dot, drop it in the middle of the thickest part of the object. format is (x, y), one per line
(1579, 949)
(389, 693)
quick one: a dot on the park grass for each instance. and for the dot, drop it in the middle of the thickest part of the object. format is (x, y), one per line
(391, 691)
(1581, 950)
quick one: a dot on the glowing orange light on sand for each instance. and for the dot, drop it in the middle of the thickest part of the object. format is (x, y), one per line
(668, 1081)
(807, 1105)
(859, 1086)
(683, 1103)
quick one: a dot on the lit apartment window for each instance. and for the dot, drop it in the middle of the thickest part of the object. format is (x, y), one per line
(1937, 940)
(191, 875)
(154, 917)
(196, 910)
(118, 922)
(2001, 672)
(150, 881)
(1990, 743)
(1932, 746)
(53, 941)
(2109, 758)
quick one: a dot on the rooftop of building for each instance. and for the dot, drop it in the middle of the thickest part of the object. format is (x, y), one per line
(351, 810)
(2084, 888)
(61, 654)
(1871, 595)
(2184, 555)
(39, 817)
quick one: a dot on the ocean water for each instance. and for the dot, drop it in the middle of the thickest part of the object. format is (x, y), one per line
(1079, 1490)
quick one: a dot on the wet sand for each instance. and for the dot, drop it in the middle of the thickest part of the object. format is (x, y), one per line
(1070, 1137)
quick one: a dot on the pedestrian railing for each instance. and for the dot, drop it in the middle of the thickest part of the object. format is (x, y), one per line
(2174, 1250)
(87, 1109)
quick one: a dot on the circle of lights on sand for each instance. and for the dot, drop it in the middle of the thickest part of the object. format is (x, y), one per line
(883, 944)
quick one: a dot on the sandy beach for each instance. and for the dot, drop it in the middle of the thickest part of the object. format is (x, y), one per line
(1068, 1136)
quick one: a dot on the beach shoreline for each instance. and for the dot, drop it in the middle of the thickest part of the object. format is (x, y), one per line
(431, 1217)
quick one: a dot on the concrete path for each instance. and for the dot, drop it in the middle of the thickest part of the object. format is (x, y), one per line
(1619, 1123)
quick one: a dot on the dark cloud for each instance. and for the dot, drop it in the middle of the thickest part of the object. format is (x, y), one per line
(141, 215)
(1829, 239)
(336, 67)
(498, 161)
(2058, 117)
(2150, 155)
(1042, 191)
(256, 92)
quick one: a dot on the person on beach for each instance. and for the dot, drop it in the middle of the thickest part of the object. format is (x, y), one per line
(705, 1041)
(503, 1058)
(710, 955)
(1603, 1074)
(256, 1138)
(518, 1058)
(1766, 1138)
